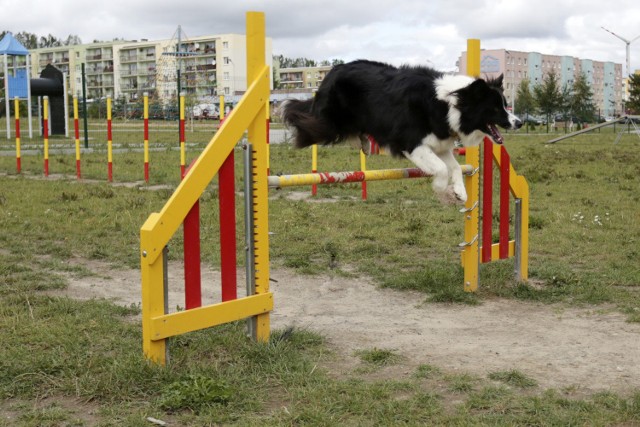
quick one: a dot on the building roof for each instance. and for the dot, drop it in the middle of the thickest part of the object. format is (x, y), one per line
(10, 46)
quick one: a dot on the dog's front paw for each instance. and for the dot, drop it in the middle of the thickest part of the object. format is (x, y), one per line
(452, 197)
(460, 193)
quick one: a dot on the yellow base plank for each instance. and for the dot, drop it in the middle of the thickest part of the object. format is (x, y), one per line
(173, 324)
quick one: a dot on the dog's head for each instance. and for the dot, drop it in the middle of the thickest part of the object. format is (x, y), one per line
(482, 108)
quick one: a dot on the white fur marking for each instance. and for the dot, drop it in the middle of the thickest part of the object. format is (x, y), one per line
(435, 156)
(446, 85)
(445, 88)
(513, 119)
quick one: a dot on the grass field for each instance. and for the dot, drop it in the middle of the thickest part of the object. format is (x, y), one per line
(66, 362)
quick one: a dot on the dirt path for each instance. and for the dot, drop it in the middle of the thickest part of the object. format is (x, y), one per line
(586, 349)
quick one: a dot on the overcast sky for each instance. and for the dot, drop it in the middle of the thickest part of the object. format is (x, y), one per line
(430, 32)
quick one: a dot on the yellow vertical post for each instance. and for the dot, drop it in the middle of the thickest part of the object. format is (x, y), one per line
(314, 166)
(221, 109)
(472, 183)
(152, 292)
(473, 58)
(258, 138)
(363, 168)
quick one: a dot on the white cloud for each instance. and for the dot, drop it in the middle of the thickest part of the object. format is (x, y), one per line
(399, 31)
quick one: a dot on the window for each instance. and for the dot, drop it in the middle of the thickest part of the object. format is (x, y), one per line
(225, 75)
(225, 45)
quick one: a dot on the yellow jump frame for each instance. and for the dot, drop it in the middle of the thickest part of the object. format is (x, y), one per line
(519, 188)
(250, 114)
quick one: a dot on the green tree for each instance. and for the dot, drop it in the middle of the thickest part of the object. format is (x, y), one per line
(525, 102)
(581, 101)
(72, 40)
(49, 41)
(548, 96)
(633, 105)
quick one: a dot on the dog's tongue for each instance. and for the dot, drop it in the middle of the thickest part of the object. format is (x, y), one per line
(495, 134)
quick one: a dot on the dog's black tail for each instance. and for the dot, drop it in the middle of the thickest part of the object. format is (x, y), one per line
(309, 128)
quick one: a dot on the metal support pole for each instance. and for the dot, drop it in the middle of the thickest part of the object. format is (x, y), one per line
(518, 240)
(249, 233)
(165, 288)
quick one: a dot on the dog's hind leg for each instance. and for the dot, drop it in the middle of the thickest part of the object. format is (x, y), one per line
(424, 157)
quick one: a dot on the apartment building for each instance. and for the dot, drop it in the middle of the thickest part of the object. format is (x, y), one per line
(605, 78)
(207, 65)
(302, 77)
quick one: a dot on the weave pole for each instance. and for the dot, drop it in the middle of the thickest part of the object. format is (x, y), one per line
(16, 106)
(45, 133)
(182, 137)
(145, 115)
(76, 128)
(109, 142)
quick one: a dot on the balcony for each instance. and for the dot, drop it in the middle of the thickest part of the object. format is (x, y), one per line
(130, 72)
(128, 58)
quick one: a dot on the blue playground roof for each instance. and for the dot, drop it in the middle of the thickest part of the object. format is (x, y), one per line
(10, 46)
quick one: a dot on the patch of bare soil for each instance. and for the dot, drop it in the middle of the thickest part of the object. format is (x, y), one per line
(587, 350)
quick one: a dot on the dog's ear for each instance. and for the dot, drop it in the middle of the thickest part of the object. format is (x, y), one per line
(497, 82)
(478, 88)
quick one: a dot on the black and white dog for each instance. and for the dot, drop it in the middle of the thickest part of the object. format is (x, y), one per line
(415, 112)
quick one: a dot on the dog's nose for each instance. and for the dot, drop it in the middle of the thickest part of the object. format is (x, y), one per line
(517, 124)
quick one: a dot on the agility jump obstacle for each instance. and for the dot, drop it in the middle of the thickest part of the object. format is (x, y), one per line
(251, 113)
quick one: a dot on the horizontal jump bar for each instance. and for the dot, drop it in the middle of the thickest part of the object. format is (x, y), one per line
(355, 176)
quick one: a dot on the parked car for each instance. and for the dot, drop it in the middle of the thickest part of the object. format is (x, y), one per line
(531, 119)
(206, 111)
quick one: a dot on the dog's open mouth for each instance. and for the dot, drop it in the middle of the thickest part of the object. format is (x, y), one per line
(495, 134)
